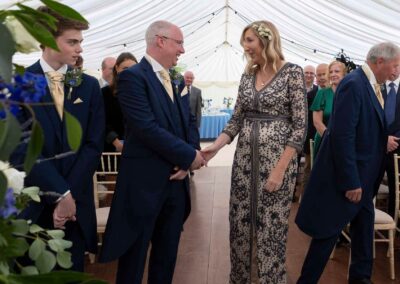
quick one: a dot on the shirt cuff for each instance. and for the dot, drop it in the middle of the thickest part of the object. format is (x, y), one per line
(63, 196)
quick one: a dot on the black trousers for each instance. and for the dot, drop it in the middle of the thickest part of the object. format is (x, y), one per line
(164, 233)
(361, 233)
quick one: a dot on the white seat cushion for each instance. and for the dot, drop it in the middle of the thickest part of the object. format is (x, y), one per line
(102, 216)
(382, 217)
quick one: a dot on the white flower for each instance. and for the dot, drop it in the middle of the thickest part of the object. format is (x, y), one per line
(15, 179)
(263, 31)
(24, 42)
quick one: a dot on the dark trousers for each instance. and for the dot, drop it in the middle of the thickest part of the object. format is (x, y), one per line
(361, 233)
(164, 234)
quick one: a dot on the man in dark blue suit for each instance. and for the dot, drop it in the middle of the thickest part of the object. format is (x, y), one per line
(347, 169)
(71, 176)
(391, 95)
(151, 200)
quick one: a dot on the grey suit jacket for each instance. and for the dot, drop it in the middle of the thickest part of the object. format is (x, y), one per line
(196, 104)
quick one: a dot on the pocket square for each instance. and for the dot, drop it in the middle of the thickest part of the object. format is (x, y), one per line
(77, 101)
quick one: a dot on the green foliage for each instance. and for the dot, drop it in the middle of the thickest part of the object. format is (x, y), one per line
(7, 49)
(34, 147)
(74, 131)
(10, 134)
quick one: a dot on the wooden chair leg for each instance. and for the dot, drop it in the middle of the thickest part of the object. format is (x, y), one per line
(92, 258)
(332, 253)
(391, 254)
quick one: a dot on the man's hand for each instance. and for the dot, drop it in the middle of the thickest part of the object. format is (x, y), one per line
(198, 161)
(354, 195)
(64, 211)
(179, 175)
(118, 145)
(392, 143)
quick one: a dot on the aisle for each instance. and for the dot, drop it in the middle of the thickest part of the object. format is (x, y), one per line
(204, 249)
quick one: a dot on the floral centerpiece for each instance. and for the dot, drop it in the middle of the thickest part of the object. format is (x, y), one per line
(228, 102)
(22, 30)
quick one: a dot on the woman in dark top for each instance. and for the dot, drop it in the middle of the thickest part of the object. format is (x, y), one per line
(115, 126)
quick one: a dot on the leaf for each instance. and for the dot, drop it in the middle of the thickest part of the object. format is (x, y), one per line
(7, 49)
(45, 262)
(56, 234)
(4, 268)
(45, 17)
(3, 186)
(32, 192)
(58, 245)
(55, 277)
(37, 248)
(3, 241)
(64, 259)
(29, 270)
(35, 29)
(19, 69)
(17, 247)
(10, 134)
(20, 226)
(64, 10)
(74, 131)
(35, 229)
(34, 147)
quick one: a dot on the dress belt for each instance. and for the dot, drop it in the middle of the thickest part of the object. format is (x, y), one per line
(266, 117)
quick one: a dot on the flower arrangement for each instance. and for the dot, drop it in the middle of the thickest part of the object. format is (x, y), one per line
(176, 76)
(22, 30)
(263, 31)
(228, 102)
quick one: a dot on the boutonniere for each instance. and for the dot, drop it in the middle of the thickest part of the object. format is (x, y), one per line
(176, 76)
(73, 78)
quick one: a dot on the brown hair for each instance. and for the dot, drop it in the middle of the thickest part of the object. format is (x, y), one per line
(121, 58)
(270, 41)
(62, 23)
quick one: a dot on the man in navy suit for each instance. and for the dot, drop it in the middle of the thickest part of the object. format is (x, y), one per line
(151, 200)
(392, 115)
(71, 176)
(347, 169)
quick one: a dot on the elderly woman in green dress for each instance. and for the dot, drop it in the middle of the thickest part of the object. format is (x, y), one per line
(323, 102)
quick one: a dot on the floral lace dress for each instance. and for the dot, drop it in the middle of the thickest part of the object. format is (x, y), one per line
(267, 121)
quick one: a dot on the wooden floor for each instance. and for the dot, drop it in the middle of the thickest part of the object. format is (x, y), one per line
(204, 248)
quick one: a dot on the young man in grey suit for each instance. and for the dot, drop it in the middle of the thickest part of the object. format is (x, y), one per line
(195, 99)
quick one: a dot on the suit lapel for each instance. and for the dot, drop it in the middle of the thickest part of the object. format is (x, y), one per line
(374, 100)
(160, 92)
(47, 98)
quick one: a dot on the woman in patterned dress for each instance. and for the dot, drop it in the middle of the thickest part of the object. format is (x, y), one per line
(270, 118)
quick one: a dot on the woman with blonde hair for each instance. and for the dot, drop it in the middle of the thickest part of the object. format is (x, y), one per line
(323, 102)
(270, 118)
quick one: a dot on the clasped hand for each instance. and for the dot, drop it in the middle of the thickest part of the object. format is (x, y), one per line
(197, 163)
(64, 211)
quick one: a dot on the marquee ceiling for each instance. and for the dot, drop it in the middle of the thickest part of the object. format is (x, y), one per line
(312, 31)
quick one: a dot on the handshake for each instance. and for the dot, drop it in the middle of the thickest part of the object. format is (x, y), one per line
(201, 160)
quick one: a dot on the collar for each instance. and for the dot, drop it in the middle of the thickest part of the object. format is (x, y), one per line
(370, 75)
(157, 67)
(46, 67)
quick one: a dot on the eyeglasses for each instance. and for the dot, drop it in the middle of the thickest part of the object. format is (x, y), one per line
(179, 42)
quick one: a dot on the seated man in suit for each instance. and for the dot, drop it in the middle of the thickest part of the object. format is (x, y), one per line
(151, 200)
(342, 184)
(71, 176)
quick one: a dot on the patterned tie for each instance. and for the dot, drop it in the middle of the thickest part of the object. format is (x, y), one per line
(167, 83)
(188, 90)
(56, 86)
(390, 104)
(379, 94)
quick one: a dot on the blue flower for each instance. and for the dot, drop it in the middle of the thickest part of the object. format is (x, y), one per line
(8, 208)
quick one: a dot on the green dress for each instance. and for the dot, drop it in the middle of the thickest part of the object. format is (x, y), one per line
(323, 101)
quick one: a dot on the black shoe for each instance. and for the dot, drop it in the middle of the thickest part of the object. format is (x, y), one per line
(191, 173)
(360, 281)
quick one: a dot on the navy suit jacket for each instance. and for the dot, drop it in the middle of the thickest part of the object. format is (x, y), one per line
(394, 127)
(75, 172)
(351, 156)
(152, 149)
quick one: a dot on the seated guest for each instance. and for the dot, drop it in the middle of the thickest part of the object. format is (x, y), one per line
(323, 102)
(115, 128)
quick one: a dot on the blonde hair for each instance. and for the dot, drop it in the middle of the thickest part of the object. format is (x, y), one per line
(270, 41)
(342, 66)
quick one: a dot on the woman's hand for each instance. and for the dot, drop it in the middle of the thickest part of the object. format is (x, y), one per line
(275, 180)
(209, 152)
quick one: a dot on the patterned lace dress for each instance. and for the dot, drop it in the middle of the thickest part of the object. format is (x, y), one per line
(267, 121)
